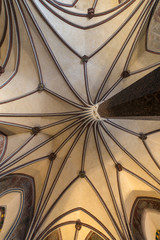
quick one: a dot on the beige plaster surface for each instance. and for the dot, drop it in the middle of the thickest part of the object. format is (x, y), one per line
(12, 201)
(26, 80)
(151, 223)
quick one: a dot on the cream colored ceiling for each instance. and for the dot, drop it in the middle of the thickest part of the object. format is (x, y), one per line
(42, 58)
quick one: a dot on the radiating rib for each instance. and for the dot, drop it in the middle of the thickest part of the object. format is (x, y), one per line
(40, 199)
(41, 114)
(5, 173)
(55, 202)
(106, 145)
(85, 145)
(145, 68)
(150, 154)
(76, 234)
(135, 41)
(10, 40)
(117, 82)
(94, 4)
(56, 62)
(16, 125)
(31, 41)
(117, 31)
(85, 122)
(17, 44)
(51, 27)
(17, 150)
(87, 84)
(108, 183)
(147, 8)
(65, 99)
(121, 128)
(39, 145)
(152, 132)
(19, 97)
(63, 121)
(130, 155)
(107, 211)
(5, 25)
(142, 179)
(123, 207)
(58, 175)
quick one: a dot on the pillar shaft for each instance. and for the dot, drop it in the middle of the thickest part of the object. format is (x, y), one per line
(141, 100)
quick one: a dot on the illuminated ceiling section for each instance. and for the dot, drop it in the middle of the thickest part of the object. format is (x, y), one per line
(88, 172)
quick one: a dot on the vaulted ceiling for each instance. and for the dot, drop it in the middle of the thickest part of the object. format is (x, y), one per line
(79, 119)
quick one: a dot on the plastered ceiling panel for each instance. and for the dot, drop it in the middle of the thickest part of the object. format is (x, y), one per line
(80, 117)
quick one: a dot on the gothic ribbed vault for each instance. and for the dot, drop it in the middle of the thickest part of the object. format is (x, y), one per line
(79, 119)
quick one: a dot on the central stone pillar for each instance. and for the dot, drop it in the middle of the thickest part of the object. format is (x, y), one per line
(141, 100)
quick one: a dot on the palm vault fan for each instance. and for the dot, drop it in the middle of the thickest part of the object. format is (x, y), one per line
(79, 119)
